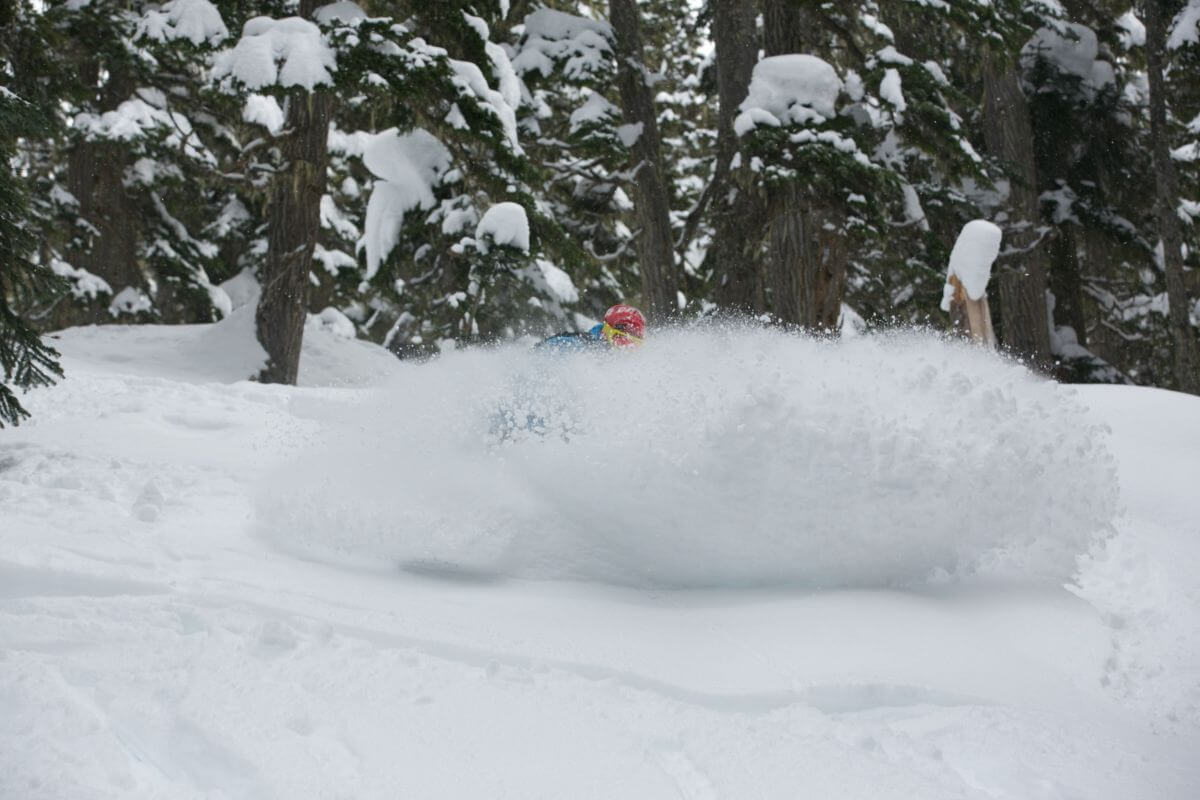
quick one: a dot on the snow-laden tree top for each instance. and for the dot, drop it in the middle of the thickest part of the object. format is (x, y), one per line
(284, 52)
(1185, 29)
(195, 20)
(789, 89)
(1075, 50)
(554, 36)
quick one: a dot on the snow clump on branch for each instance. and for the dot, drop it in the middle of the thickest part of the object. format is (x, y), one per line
(284, 52)
(507, 224)
(789, 89)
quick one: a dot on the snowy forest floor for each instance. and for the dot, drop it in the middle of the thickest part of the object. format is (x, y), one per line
(751, 566)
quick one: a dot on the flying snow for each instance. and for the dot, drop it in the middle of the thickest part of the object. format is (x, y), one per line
(710, 457)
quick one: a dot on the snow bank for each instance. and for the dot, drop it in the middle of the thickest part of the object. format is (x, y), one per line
(709, 458)
(225, 351)
(789, 89)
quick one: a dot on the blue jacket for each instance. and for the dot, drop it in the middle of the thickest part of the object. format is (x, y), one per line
(573, 342)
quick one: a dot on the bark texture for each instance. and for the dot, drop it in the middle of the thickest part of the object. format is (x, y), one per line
(292, 229)
(806, 254)
(1187, 360)
(656, 254)
(95, 176)
(1008, 134)
(806, 261)
(736, 213)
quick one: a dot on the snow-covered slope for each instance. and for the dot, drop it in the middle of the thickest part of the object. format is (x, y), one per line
(743, 565)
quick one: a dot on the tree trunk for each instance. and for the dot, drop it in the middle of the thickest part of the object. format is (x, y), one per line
(292, 229)
(736, 213)
(1008, 134)
(1187, 361)
(806, 262)
(656, 254)
(95, 176)
(1066, 282)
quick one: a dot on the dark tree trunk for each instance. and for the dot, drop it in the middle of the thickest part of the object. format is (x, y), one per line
(1066, 282)
(736, 213)
(806, 260)
(806, 263)
(656, 254)
(1187, 361)
(292, 228)
(1008, 134)
(95, 176)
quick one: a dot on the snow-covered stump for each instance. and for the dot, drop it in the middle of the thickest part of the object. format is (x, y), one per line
(965, 292)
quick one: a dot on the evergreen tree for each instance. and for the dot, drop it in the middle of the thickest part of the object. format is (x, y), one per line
(25, 360)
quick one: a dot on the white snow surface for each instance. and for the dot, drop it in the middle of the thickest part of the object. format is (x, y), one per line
(748, 565)
(971, 259)
(789, 89)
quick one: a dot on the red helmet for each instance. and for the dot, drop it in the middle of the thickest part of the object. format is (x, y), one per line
(624, 326)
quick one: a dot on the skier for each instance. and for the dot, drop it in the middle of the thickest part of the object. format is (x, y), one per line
(623, 326)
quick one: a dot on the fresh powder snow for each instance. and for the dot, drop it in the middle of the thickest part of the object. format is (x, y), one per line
(719, 566)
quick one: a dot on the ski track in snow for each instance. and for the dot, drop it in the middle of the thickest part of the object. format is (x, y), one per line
(161, 636)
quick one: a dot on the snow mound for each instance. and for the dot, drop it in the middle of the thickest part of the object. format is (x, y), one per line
(223, 352)
(709, 458)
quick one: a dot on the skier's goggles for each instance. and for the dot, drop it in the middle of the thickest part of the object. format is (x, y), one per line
(619, 337)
